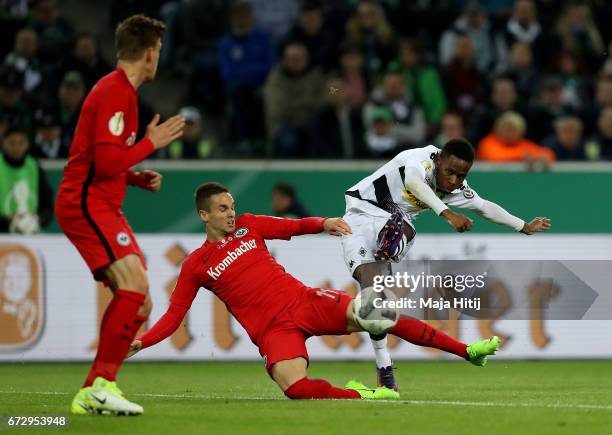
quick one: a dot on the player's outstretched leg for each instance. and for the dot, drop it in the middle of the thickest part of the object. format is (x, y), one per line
(420, 333)
(290, 375)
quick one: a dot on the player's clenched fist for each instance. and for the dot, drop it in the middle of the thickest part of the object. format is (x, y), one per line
(458, 221)
(161, 135)
(336, 227)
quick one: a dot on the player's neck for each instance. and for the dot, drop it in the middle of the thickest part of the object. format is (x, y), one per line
(134, 72)
(213, 236)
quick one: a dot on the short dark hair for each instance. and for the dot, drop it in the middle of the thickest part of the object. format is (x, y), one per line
(459, 148)
(135, 34)
(284, 188)
(204, 192)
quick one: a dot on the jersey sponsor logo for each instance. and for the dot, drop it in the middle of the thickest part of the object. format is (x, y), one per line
(417, 203)
(241, 232)
(116, 124)
(131, 140)
(123, 239)
(231, 256)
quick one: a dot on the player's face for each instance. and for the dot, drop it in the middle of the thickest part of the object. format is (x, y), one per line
(151, 61)
(450, 172)
(221, 217)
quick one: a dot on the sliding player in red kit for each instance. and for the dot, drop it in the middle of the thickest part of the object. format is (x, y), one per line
(278, 312)
(88, 206)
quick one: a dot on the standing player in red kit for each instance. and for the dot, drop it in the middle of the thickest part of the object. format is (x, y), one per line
(279, 312)
(90, 196)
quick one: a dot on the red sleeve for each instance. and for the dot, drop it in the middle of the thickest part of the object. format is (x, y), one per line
(183, 295)
(165, 326)
(271, 227)
(112, 159)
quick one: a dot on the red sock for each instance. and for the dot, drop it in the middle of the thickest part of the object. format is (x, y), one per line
(318, 389)
(420, 333)
(119, 325)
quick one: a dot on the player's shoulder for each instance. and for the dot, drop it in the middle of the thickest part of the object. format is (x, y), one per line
(427, 152)
(111, 86)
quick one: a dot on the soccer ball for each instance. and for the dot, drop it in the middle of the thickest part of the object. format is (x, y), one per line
(374, 311)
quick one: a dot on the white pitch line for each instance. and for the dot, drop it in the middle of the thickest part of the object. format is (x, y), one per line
(410, 402)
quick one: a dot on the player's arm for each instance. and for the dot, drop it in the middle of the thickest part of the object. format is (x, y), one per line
(414, 181)
(112, 157)
(182, 297)
(497, 214)
(272, 227)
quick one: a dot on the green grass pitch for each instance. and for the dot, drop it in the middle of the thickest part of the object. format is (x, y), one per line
(444, 397)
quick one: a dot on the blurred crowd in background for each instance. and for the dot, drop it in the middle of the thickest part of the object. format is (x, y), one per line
(520, 79)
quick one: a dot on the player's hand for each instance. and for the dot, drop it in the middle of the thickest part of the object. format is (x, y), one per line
(161, 135)
(537, 225)
(134, 348)
(149, 180)
(458, 221)
(336, 227)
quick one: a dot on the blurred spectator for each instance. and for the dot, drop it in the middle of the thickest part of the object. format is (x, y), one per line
(473, 22)
(408, 122)
(579, 34)
(503, 98)
(246, 55)
(71, 94)
(309, 30)
(292, 96)
(55, 34)
(603, 98)
(423, 82)
(464, 81)
(48, 136)
(87, 60)
(379, 140)
(369, 29)
(523, 26)
(337, 129)
(521, 70)
(567, 141)
(23, 57)
(545, 110)
(358, 82)
(13, 108)
(574, 92)
(600, 145)
(26, 200)
(285, 203)
(275, 16)
(451, 127)
(506, 143)
(192, 145)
